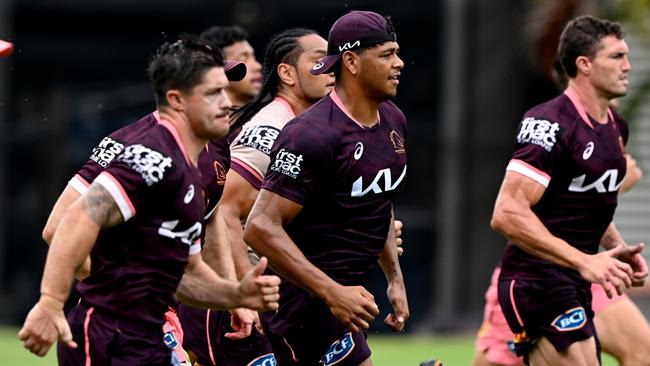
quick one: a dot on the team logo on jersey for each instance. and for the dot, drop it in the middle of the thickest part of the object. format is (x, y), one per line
(189, 195)
(571, 320)
(106, 151)
(538, 132)
(588, 151)
(338, 351)
(287, 163)
(260, 138)
(610, 177)
(148, 162)
(359, 191)
(264, 360)
(219, 173)
(397, 141)
(358, 151)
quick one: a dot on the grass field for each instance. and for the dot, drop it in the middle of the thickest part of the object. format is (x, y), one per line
(387, 350)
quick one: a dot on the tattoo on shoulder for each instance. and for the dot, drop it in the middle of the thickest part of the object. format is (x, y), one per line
(98, 204)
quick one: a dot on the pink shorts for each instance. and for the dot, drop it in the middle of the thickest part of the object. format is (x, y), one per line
(599, 299)
(173, 335)
(494, 334)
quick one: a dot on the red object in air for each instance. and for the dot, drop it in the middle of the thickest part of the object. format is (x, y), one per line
(6, 48)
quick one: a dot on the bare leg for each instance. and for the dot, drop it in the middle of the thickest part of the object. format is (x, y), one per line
(624, 333)
(581, 353)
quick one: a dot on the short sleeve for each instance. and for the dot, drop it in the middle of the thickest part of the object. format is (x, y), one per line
(537, 150)
(133, 175)
(251, 150)
(301, 162)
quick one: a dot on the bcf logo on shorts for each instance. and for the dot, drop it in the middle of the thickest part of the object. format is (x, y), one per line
(570, 320)
(338, 350)
(264, 360)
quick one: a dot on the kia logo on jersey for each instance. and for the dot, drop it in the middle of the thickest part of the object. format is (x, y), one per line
(610, 177)
(359, 191)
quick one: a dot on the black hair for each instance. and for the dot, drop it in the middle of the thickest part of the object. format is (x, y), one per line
(181, 65)
(224, 36)
(581, 37)
(283, 48)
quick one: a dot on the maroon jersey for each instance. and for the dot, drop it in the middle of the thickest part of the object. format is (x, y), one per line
(346, 177)
(214, 161)
(582, 165)
(137, 265)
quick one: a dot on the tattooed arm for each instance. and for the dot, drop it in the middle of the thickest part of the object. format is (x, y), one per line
(75, 237)
(71, 245)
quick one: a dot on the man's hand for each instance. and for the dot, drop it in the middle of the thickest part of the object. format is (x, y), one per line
(354, 306)
(397, 297)
(603, 268)
(260, 292)
(631, 255)
(398, 236)
(241, 321)
(44, 325)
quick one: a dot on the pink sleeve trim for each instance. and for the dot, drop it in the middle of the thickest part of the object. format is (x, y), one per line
(529, 171)
(247, 167)
(79, 184)
(115, 189)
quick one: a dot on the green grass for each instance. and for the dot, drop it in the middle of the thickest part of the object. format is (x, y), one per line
(387, 350)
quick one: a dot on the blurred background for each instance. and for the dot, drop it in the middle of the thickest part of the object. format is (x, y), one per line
(472, 68)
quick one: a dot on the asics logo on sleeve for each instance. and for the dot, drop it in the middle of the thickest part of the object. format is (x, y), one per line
(106, 151)
(359, 191)
(151, 164)
(538, 132)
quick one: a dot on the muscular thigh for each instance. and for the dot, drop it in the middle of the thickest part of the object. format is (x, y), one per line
(621, 328)
(580, 353)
